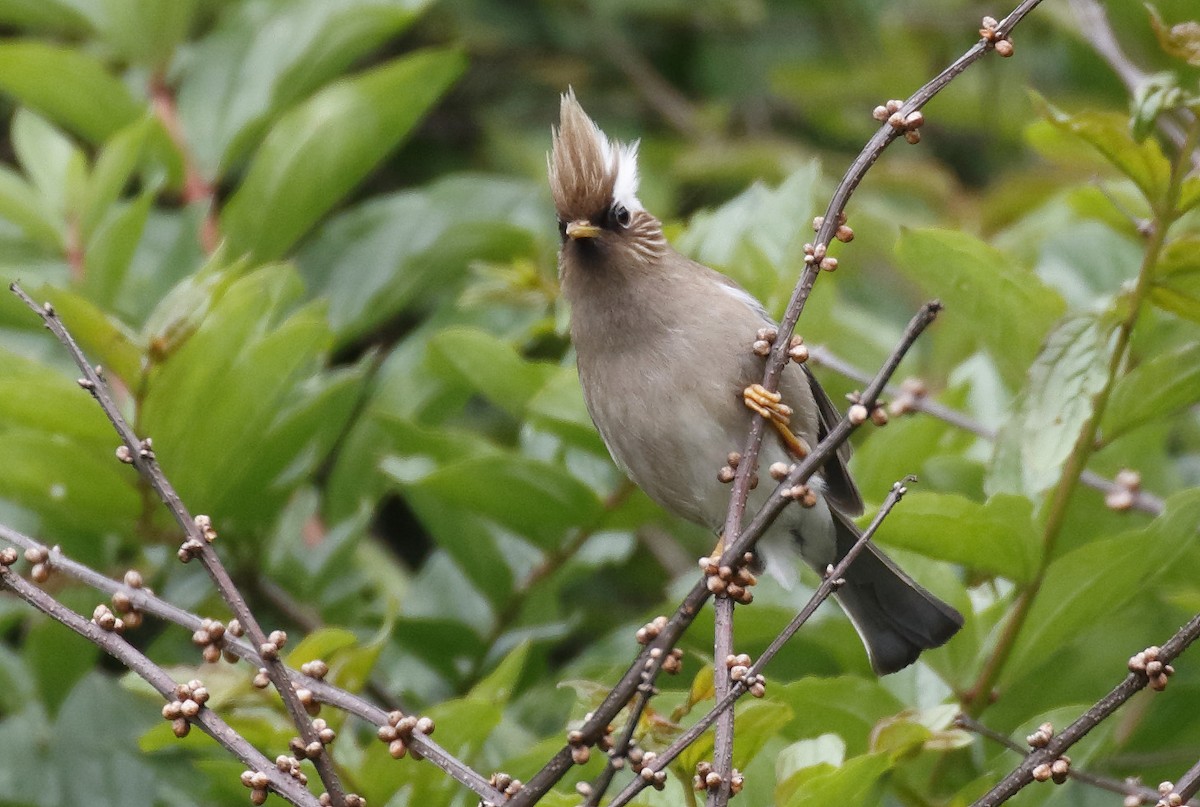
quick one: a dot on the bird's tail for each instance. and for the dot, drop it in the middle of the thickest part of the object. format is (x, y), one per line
(895, 617)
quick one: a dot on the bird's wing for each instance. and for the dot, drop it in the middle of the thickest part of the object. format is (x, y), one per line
(841, 491)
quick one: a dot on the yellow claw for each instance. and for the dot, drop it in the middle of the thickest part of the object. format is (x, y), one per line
(770, 405)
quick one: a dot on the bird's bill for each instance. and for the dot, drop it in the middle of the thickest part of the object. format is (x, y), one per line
(582, 229)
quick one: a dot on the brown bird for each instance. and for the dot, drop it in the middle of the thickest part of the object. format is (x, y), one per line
(663, 348)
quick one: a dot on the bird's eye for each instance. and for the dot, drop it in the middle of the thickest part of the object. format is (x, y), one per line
(620, 214)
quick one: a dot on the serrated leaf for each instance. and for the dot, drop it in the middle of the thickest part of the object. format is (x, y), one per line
(1160, 387)
(1108, 133)
(1050, 411)
(1089, 585)
(322, 148)
(996, 537)
(1002, 307)
(490, 366)
(68, 86)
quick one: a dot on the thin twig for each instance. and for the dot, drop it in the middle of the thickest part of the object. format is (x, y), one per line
(724, 703)
(147, 602)
(157, 677)
(818, 354)
(1011, 784)
(141, 455)
(1096, 30)
(1124, 787)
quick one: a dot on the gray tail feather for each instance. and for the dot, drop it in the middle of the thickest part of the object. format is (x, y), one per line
(895, 617)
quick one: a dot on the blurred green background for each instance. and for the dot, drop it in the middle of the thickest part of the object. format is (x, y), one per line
(310, 242)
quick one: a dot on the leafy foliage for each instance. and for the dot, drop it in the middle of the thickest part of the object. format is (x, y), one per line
(310, 244)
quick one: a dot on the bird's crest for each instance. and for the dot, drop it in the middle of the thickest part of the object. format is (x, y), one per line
(588, 172)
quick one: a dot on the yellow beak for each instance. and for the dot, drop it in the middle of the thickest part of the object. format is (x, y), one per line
(582, 229)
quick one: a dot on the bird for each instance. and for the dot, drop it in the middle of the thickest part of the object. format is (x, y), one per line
(663, 350)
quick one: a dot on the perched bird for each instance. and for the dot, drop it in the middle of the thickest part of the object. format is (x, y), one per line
(664, 352)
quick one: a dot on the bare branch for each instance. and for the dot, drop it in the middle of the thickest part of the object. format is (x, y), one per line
(157, 677)
(724, 705)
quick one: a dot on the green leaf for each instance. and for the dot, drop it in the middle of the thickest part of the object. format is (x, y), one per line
(1189, 194)
(33, 396)
(44, 15)
(847, 706)
(59, 658)
(21, 204)
(1181, 40)
(110, 250)
(1109, 134)
(989, 301)
(263, 57)
(996, 537)
(500, 683)
(50, 160)
(532, 498)
(115, 164)
(1176, 284)
(212, 403)
(491, 366)
(559, 407)
(146, 32)
(1166, 384)
(392, 252)
(317, 152)
(855, 782)
(68, 86)
(1153, 96)
(1053, 407)
(78, 492)
(104, 339)
(773, 220)
(1089, 585)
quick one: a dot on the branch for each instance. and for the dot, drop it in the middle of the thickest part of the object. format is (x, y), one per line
(1136, 681)
(1141, 500)
(145, 601)
(746, 680)
(208, 720)
(1124, 787)
(1095, 28)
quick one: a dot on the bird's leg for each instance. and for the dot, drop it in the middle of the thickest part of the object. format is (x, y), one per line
(770, 405)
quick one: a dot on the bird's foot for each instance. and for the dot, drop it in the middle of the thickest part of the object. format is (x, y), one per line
(770, 405)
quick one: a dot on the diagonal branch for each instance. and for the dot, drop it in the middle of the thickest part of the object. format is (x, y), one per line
(140, 454)
(832, 579)
(157, 677)
(146, 602)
